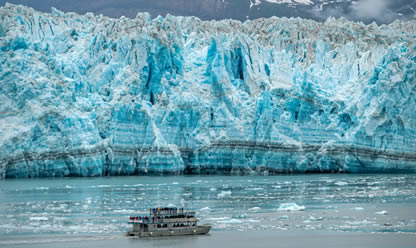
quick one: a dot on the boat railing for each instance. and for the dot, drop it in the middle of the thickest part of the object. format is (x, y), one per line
(166, 211)
(160, 218)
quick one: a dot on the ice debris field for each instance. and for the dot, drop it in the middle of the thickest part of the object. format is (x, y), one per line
(88, 95)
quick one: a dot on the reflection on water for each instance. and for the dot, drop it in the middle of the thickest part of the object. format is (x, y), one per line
(357, 203)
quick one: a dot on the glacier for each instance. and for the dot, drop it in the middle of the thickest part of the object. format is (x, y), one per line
(88, 95)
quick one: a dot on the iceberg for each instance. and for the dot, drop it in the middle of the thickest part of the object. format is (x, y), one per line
(383, 212)
(290, 207)
(89, 95)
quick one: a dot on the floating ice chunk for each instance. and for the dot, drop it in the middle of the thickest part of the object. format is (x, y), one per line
(205, 209)
(341, 183)
(125, 211)
(358, 208)
(314, 218)
(224, 194)
(255, 189)
(213, 189)
(102, 186)
(283, 217)
(384, 212)
(42, 188)
(290, 207)
(39, 218)
(170, 205)
(254, 209)
(240, 216)
(175, 183)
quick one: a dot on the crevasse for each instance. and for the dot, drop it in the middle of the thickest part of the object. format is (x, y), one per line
(86, 95)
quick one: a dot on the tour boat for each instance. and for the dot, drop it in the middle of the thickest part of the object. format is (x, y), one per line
(166, 222)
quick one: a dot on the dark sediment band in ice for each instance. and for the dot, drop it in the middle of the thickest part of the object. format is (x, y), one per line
(230, 157)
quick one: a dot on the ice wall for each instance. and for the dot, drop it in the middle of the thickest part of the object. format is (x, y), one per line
(90, 95)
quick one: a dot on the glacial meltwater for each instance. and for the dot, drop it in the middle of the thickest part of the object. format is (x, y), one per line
(94, 211)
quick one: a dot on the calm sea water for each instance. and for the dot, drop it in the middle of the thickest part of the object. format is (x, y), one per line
(46, 211)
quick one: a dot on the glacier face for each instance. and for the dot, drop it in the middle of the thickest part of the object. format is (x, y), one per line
(90, 95)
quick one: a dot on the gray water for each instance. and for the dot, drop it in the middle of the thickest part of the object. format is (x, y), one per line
(83, 210)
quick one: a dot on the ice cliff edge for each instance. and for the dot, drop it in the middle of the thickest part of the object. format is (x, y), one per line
(85, 95)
